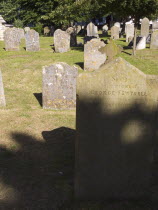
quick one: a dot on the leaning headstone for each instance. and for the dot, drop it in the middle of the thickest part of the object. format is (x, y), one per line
(12, 39)
(32, 41)
(26, 29)
(2, 96)
(129, 28)
(115, 32)
(93, 58)
(155, 25)
(59, 86)
(145, 27)
(92, 30)
(115, 112)
(61, 41)
(73, 36)
(141, 44)
(154, 40)
(105, 29)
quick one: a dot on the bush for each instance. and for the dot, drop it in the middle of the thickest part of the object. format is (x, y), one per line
(18, 23)
(39, 28)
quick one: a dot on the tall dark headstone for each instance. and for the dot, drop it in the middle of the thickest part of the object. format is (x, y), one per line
(115, 113)
(59, 86)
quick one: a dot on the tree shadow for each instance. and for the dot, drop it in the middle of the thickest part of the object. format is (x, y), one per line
(38, 96)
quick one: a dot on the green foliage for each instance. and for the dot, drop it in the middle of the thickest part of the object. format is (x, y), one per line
(39, 28)
(18, 23)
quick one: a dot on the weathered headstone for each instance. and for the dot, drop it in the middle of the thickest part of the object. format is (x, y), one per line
(129, 29)
(118, 25)
(116, 108)
(145, 27)
(26, 29)
(111, 50)
(2, 96)
(115, 32)
(73, 36)
(154, 40)
(92, 30)
(59, 86)
(46, 31)
(12, 39)
(141, 44)
(61, 41)
(32, 41)
(93, 58)
(105, 29)
(155, 25)
(21, 33)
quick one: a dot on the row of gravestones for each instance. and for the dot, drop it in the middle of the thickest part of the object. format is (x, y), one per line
(13, 37)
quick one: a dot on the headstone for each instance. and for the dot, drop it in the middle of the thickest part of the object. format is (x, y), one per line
(32, 41)
(52, 30)
(115, 112)
(46, 30)
(155, 25)
(111, 50)
(21, 33)
(12, 39)
(92, 30)
(154, 40)
(114, 32)
(129, 28)
(2, 96)
(2, 28)
(73, 36)
(118, 25)
(137, 41)
(141, 44)
(105, 29)
(145, 27)
(77, 28)
(27, 29)
(59, 86)
(93, 58)
(61, 41)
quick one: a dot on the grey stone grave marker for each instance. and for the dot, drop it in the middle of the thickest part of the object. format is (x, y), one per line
(145, 27)
(105, 29)
(59, 86)
(154, 40)
(12, 39)
(32, 41)
(155, 25)
(141, 44)
(26, 29)
(115, 32)
(2, 96)
(129, 29)
(21, 33)
(93, 57)
(115, 110)
(92, 30)
(61, 41)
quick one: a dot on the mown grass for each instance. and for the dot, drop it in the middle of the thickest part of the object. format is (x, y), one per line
(37, 145)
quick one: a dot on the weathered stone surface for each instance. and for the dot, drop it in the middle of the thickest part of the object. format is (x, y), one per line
(26, 29)
(145, 27)
(73, 36)
(92, 30)
(154, 40)
(59, 86)
(12, 39)
(141, 44)
(21, 33)
(32, 41)
(111, 50)
(116, 108)
(129, 29)
(2, 96)
(93, 58)
(115, 32)
(155, 25)
(61, 41)
(46, 30)
(118, 25)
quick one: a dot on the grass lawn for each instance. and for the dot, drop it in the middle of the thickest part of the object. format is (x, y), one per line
(36, 145)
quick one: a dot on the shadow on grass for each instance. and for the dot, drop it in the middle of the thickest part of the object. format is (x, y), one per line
(81, 64)
(38, 96)
(40, 174)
